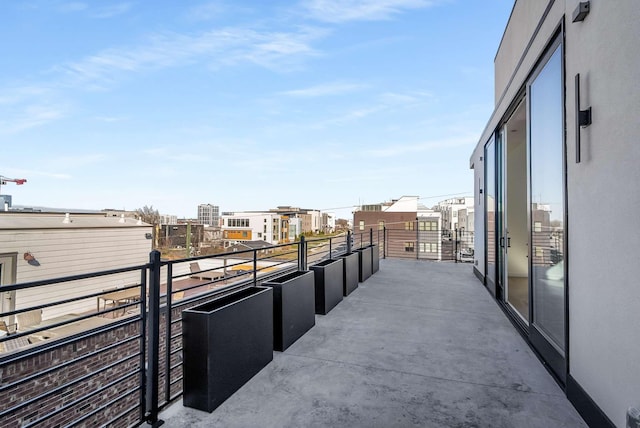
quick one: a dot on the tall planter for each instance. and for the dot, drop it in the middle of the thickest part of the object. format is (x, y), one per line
(225, 343)
(328, 284)
(375, 258)
(350, 269)
(293, 307)
(364, 263)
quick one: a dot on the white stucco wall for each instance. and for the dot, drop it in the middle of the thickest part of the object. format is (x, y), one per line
(603, 257)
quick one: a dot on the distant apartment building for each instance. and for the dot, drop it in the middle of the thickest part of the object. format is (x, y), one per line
(168, 219)
(254, 226)
(208, 215)
(450, 209)
(405, 226)
(312, 221)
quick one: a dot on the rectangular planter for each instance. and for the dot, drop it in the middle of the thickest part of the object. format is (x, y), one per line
(225, 343)
(364, 263)
(328, 284)
(375, 258)
(293, 307)
(349, 273)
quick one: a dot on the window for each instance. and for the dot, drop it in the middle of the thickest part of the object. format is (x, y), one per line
(426, 247)
(537, 226)
(380, 224)
(408, 225)
(361, 224)
(408, 247)
(427, 226)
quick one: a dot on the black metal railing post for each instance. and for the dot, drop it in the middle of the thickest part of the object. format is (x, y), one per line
(348, 242)
(255, 267)
(301, 254)
(417, 240)
(371, 236)
(330, 250)
(455, 245)
(384, 242)
(167, 335)
(154, 340)
(143, 338)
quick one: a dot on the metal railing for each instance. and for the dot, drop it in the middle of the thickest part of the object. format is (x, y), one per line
(120, 363)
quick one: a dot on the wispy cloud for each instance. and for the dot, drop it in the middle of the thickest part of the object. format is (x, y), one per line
(111, 10)
(336, 88)
(110, 119)
(174, 155)
(230, 46)
(75, 6)
(80, 160)
(31, 116)
(405, 149)
(206, 11)
(336, 11)
(38, 173)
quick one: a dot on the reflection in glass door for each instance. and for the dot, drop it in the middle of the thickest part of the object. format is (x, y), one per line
(514, 240)
(490, 204)
(547, 201)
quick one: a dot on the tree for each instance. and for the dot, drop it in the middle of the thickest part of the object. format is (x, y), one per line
(149, 215)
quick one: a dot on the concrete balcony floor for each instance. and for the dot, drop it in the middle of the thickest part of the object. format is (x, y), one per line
(419, 344)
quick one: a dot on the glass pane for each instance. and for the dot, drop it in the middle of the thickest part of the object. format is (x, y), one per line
(490, 204)
(547, 199)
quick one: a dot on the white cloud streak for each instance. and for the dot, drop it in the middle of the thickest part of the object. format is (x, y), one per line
(406, 149)
(337, 11)
(327, 89)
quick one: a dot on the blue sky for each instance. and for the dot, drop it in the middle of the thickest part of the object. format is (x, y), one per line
(244, 104)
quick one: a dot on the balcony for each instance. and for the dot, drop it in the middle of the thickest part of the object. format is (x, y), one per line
(418, 344)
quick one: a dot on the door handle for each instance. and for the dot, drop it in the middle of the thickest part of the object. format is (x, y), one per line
(502, 241)
(509, 242)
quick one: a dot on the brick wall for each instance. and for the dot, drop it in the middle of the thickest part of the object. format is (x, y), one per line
(86, 375)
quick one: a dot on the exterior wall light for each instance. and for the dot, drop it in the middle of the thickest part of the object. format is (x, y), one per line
(581, 11)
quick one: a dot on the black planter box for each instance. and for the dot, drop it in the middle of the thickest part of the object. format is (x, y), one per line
(293, 307)
(328, 283)
(225, 343)
(364, 263)
(349, 273)
(375, 258)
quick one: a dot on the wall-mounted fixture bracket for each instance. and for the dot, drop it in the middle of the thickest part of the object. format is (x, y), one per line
(583, 117)
(581, 11)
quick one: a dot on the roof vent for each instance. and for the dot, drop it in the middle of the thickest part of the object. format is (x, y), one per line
(67, 219)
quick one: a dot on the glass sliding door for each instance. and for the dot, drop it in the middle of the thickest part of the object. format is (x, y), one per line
(547, 196)
(490, 204)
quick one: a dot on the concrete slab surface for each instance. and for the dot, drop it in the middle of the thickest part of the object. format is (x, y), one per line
(419, 344)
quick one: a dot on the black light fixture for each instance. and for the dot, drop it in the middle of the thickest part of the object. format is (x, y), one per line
(581, 11)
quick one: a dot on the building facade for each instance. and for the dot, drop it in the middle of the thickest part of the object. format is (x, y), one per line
(209, 215)
(560, 149)
(406, 228)
(254, 226)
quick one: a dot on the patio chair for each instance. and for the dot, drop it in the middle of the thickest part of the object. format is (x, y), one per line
(197, 274)
(29, 319)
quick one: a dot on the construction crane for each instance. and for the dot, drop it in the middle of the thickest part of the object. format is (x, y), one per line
(4, 180)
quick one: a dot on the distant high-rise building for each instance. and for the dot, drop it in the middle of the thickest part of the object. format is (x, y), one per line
(209, 214)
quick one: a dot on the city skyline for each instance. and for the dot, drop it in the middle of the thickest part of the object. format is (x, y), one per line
(247, 105)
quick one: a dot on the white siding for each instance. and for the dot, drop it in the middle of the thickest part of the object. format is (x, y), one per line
(69, 252)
